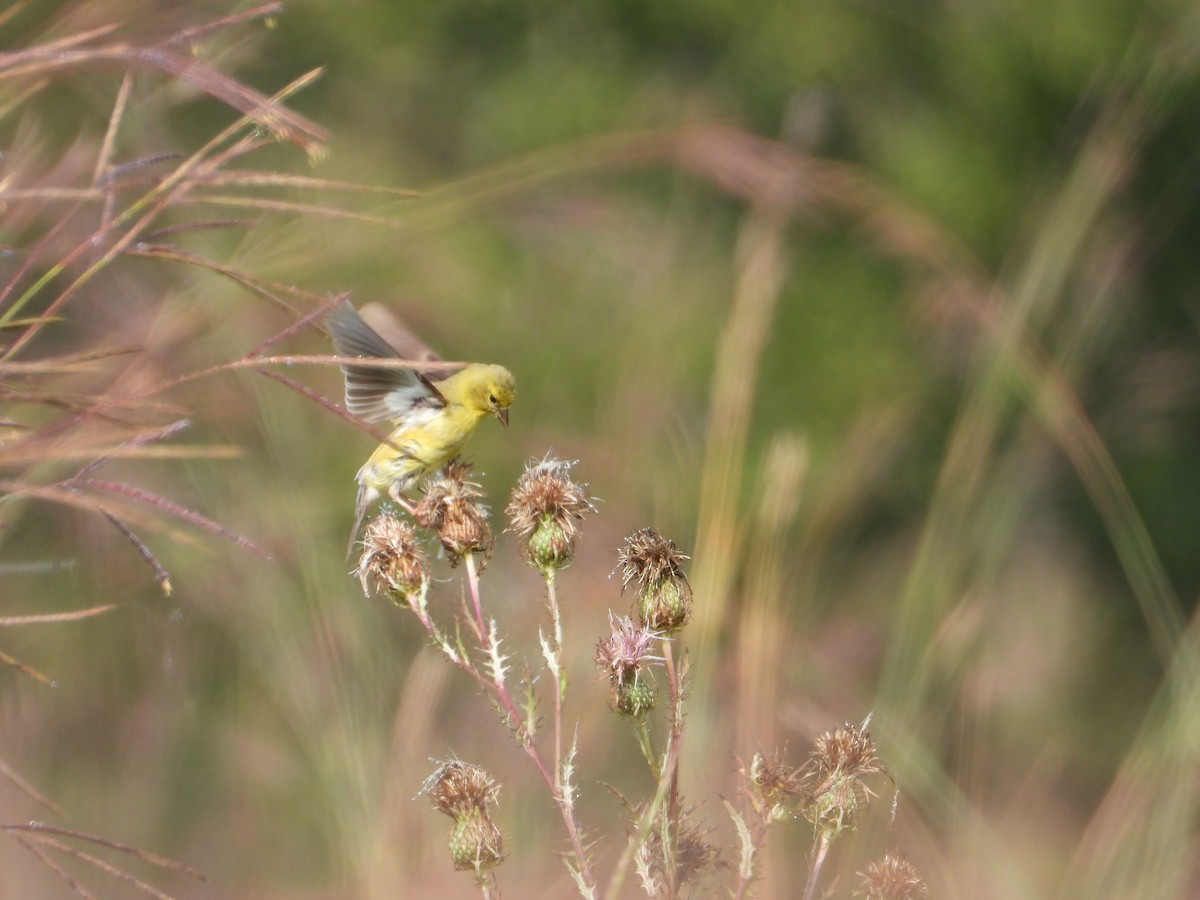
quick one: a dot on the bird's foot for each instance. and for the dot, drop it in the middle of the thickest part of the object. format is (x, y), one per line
(400, 500)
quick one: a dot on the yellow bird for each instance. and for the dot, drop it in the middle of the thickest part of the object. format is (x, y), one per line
(432, 413)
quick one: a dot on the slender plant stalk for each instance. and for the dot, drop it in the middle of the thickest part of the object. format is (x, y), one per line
(560, 681)
(670, 765)
(676, 739)
(815, 864)
(521, 727)
(473, 582)
(642, 732)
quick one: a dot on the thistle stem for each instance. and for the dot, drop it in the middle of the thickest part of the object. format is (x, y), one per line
(815, 864)
(642, 731)
(473, 582)
(676, 739)
(517, 722)
(560, 680)
(645, 823)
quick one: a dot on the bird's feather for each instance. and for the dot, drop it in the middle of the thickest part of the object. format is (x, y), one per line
(372, 393)
(400, 337)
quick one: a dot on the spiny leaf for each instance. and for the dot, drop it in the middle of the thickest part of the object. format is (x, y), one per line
(746, 865)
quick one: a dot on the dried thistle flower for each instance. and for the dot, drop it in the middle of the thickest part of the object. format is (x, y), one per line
(456, 786)
(775, 789)
(689, 855)
(451, 507)
(841, 760)
(892, 878)
(655, 565)
(545, 508)
(693, 854)
(622, 657)
(464, 792)
(393, 560)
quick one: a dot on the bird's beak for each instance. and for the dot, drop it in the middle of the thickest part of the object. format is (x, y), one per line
(502, 415)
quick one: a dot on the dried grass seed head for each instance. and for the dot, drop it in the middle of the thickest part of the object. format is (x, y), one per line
(655, 565)
(392, 560)
(451, 506)
(545, 509)
(892, 878)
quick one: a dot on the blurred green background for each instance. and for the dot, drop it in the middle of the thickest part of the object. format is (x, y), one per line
(886, 313)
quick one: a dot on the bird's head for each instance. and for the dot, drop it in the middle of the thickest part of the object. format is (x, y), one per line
(493, 390)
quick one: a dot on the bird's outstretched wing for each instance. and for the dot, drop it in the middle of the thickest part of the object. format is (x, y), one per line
(372, 393)
(389, 326)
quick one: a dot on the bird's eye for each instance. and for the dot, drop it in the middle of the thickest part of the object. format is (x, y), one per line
(492, 398)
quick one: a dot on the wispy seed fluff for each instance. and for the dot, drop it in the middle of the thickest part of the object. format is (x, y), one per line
(464, 792)
(545, 509)
(655, 566)
(392, 560)
(451, 507)
(622, 656)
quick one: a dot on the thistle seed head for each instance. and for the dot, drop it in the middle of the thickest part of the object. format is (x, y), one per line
(837, 792)
(849, 750)
(892, 878)
(464, 792)
(655, 566)
(392, 560)
(545, 509)
(693, 854)
(451, 507)
(775, 789)
(456, 786)
(690, 854)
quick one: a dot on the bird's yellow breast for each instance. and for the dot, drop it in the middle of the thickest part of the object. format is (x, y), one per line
(420, 447)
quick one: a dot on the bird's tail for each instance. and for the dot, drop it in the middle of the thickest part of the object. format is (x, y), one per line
(365, 495)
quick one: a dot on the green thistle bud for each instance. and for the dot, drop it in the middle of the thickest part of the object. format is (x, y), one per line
(550, 546)
(835, 809)
(475, 842)
(665, 606)
(635, 698)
